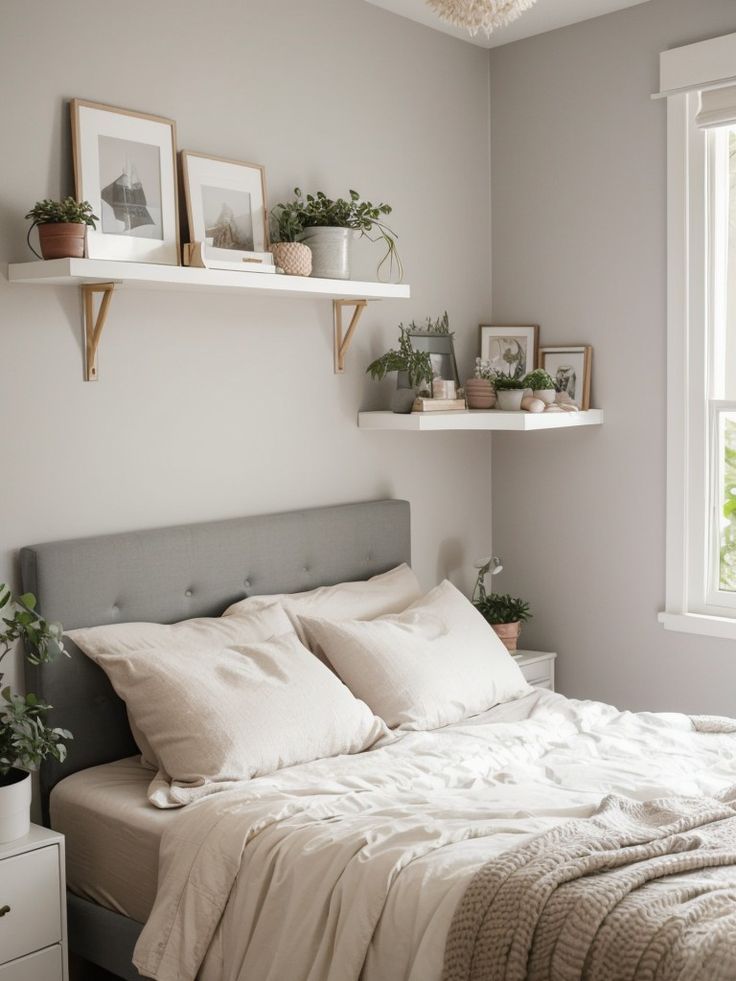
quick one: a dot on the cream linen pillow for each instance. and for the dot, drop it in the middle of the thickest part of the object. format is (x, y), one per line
(234, 627)
(436, 663)
(215, 716)
(389, 592)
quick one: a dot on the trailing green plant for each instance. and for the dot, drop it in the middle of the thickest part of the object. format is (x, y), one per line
(505, 383)
(502, 608)
(290, 219)
(416, 364)
(539, 381)
(25, 739)
(48, 212)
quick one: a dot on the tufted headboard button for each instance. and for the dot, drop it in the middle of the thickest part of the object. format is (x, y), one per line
(188, 593)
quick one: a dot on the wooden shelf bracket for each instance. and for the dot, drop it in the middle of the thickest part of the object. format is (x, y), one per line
(94, 324)
(343, 338)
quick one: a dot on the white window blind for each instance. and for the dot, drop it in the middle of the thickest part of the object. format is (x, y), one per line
(717, 108)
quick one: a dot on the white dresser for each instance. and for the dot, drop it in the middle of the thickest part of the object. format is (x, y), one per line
(538, 667)
(33, 908)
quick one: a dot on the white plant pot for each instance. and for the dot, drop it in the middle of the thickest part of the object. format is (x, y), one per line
(509, 399)
(330, 251)
(546, 395)
(15, 806)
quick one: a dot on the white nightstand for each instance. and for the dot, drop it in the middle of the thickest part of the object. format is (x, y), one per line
(33, 908)
(538, 667)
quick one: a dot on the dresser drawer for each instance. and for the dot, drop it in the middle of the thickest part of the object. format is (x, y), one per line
(46, 965)
(29, 885)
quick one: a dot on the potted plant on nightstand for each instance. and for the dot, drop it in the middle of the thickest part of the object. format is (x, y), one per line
(541, 384)
(414, 366)
(25, 739)
(509, 392)
(327, 226)
(62, 227)
(503, 612)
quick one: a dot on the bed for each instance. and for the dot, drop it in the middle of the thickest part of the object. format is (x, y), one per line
(380, 865)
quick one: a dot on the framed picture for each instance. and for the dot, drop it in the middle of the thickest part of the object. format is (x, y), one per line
(441, 353)
(510, 349)
(226, 207)
(570, 368)
(125, 166)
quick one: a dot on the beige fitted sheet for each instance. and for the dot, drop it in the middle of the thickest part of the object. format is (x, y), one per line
(112, 835)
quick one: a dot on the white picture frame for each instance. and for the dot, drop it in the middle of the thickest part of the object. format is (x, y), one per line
(125, 166)
(570, 367)
(217, 186)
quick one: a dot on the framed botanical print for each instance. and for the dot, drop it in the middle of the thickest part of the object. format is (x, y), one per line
(125, 166)
(510, 349)
(226, 207)
(570, 368)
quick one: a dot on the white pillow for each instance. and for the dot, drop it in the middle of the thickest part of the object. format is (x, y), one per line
(234, 627)
(436, 663)
(218, 715)
(388, 592)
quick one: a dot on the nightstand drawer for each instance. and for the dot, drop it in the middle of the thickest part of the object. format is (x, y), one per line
(46, 965)
(536, 674)
(29, 885)
(538, 668)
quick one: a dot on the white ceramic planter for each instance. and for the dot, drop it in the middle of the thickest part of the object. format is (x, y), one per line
(546, 395)
(509, 399)
(330, 251)
(15, 806)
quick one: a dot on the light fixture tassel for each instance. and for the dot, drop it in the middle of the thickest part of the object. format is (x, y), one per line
(480, 15)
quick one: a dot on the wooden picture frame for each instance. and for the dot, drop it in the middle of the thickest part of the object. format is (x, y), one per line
(218, 186)
(125, 166)
(510, 349)
(571, 367)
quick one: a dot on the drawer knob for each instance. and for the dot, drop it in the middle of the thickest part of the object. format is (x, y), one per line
(4, 910)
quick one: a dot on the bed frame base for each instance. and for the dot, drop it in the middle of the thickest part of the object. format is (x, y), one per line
(102, 937)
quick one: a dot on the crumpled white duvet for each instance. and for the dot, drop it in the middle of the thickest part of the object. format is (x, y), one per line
(351, 868)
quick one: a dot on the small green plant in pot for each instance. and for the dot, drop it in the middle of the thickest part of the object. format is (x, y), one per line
(542, 385)
(62, 227)
(414, 367)
(25, 738)
(503, 612)
(509, 392)
(328, 225)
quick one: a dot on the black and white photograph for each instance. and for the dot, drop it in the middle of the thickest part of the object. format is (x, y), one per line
(509, 350)
(125, 166)
(228, 218)
(570, 369)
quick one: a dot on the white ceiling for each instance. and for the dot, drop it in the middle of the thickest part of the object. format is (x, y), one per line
(545, 15)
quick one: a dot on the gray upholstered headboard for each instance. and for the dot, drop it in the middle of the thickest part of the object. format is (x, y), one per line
(170, 574)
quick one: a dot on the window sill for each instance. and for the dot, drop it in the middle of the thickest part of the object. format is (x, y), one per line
(699, 623)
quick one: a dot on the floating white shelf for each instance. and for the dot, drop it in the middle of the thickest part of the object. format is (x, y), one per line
(479, 419)
(104, 276)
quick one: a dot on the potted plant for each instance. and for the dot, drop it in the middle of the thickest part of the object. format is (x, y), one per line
(294, 257)
(327, 227)
(25, 739)
(542, 385)
(509, 392)
(414, 366)
(503, 612)
(62, 226)
(479, 389)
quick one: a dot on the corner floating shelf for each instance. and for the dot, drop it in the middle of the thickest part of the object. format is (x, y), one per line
(104, 276)
(478, 420)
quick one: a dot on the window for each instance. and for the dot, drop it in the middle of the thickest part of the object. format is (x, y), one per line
(698, 81)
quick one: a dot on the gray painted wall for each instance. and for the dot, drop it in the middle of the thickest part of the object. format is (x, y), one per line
(209, 405)
(579, 246)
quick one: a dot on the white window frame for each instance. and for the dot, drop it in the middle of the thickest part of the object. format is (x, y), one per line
(692, 604)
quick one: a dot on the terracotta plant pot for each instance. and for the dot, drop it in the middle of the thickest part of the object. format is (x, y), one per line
(508, 633)
(15, 805)
(480, 393)
(62, 240)
(294, 258)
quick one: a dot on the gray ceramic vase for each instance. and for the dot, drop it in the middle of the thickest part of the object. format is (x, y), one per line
(330, 251)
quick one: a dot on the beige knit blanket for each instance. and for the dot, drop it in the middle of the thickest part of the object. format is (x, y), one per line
(639, 892)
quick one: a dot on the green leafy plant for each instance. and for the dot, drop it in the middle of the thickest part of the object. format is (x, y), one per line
(539, 380)
(25, 739)
(502, 608)
(49, 212)
(505, 383)
(290, 219)
(440, 326)
(416, 364)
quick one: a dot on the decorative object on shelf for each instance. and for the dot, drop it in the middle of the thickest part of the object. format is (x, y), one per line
(443, 388)
(226, 210)
(436, 338)
(438, 405)
(479, 390)
(125, 164)
(327, 226)
(504, 613)
(509, 392)
(414, 371)
(199, 255)
(480, 15)
(295, 258)
(570, 367)
(509, 350)
(530, 404)
(62, 227)
(25, 739)
(542, 385)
